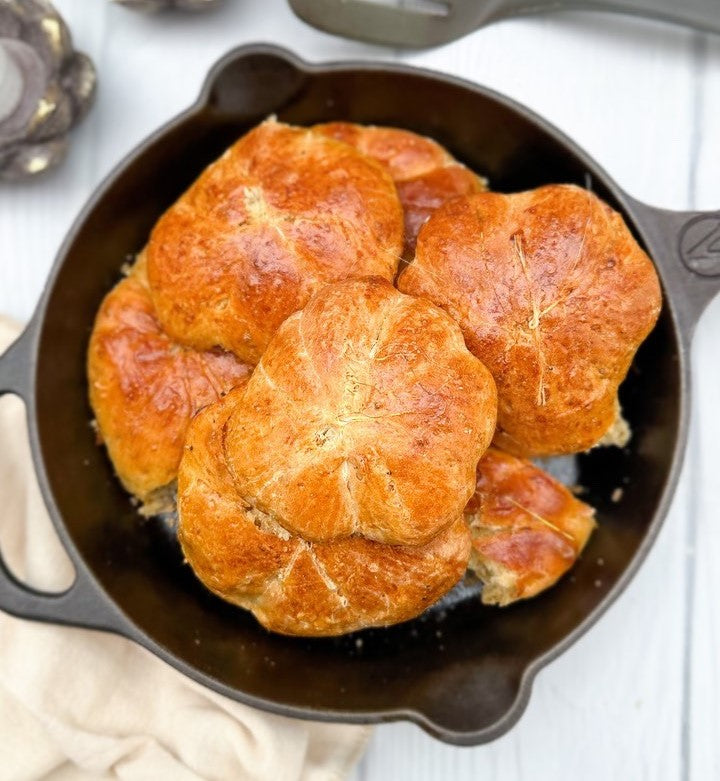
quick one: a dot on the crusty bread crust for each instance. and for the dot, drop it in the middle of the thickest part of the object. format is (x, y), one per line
(366, 415)
(527, 528)
(326, 495)
(553, 294)
(425, 174)
(291, 585)
(144, 388)
(282, 212)
(338, 487)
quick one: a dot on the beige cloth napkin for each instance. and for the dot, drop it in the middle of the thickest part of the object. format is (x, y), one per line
(78, 704)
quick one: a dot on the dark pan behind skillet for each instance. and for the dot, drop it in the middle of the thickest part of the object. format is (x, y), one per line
(462, 670)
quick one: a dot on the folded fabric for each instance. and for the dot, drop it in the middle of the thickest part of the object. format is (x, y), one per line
(78, 704)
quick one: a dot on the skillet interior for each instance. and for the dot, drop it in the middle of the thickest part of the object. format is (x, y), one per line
(457, 669)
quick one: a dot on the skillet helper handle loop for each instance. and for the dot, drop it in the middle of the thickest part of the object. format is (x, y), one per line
(82, 603)
(16, 368)
(687, 247)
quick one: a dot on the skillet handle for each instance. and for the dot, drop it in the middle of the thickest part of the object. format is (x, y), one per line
(700, 14)
(83, 604)
(687, 247)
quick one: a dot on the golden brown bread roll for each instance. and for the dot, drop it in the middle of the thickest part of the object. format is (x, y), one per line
(281, 213)
(553, 294)
(425, 174)
(366, 415)
(527, 528)
(327, 494)
(144, 388)
(294, 586)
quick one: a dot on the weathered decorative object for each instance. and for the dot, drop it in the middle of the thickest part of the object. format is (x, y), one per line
(45, 87)
(160, 5)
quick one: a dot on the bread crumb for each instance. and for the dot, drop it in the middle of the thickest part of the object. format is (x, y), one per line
(618, 434)
(96, 430)
(617, 495)
(127, 266)
(161, 501)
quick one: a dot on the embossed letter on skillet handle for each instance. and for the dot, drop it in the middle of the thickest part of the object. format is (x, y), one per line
(686, 247)
(83, 603)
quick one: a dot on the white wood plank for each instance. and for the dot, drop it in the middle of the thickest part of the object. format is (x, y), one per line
(704, 701)
(620, 87)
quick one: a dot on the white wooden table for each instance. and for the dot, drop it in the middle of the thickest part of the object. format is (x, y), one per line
(639, 696)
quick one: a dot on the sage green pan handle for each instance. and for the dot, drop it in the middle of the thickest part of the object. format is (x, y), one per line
(384, 22)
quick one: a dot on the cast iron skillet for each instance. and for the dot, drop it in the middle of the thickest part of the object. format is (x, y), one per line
(462, 671)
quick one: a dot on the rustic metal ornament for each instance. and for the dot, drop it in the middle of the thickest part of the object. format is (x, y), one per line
(160, 5)
(45, 87)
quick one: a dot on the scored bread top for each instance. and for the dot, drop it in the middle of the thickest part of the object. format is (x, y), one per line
(366, 415)
(553, 294)
(282, 212)
(291, 585)
(425, 173)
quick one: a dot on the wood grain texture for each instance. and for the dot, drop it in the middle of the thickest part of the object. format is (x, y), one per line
(638, 696)
(703, 542)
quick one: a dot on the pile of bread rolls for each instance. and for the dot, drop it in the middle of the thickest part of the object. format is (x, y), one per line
(334, 356)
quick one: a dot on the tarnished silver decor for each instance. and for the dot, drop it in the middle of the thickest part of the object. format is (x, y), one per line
(45, 87)
(159, 5)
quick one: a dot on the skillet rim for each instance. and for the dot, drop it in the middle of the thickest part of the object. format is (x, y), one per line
(117, 621)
